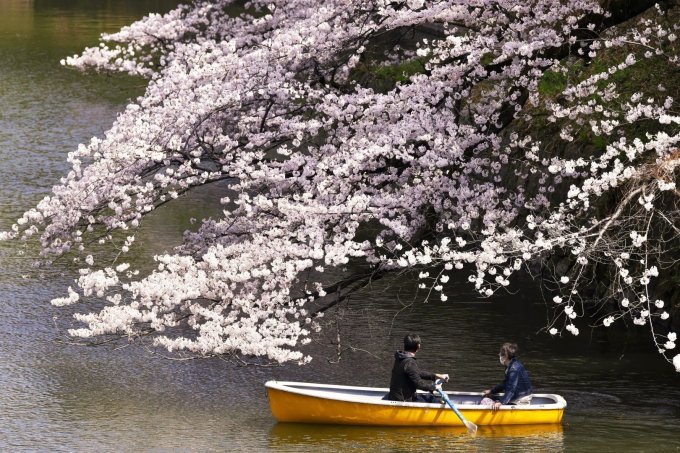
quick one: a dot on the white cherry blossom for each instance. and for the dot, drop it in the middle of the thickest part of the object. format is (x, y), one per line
(323, 170)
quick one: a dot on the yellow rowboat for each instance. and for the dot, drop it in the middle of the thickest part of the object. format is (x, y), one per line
(347, 405)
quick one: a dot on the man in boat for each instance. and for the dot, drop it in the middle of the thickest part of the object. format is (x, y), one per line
(407, 377)
(516, 385)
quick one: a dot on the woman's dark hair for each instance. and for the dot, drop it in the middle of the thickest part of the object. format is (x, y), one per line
(411, 342)
(509, 350)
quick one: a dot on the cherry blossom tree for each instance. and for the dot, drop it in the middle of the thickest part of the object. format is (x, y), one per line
(441, 165)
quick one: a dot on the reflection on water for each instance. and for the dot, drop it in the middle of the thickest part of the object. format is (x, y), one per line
(307, 437)
(47, 109)
(69, 24)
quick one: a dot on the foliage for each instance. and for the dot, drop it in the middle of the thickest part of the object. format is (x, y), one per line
(276, 100)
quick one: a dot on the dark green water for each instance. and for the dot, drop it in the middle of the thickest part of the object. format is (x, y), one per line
(61, 397)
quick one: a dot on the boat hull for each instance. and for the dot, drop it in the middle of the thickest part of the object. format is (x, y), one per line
(298, 404)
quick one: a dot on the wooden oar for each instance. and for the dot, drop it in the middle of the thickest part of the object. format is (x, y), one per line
(471, 427)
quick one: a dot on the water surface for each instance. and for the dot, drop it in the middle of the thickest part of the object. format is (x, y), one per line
(58, 396)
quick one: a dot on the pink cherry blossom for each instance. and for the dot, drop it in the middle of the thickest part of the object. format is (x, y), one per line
(440, 163)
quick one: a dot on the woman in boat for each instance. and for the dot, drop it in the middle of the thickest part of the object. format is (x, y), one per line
(516, 385)
(407, 377)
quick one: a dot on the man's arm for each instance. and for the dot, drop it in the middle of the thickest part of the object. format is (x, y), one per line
(414, 374)
(427, 375)
(511, 382)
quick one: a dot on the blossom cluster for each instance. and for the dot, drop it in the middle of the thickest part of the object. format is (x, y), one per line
(268, 100)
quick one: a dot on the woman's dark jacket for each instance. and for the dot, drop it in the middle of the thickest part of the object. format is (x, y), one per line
(516, 383)
(406, 378)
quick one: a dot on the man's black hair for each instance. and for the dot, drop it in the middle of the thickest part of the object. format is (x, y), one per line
(411, 342)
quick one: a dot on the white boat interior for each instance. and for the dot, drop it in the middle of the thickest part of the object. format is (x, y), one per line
(375, 395)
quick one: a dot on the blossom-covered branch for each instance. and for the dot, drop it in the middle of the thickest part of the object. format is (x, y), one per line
(444, 161)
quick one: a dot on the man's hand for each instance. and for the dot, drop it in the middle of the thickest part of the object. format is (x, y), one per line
(443, 377)
(495, 406)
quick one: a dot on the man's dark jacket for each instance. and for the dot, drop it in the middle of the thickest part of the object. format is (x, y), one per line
(406, 378)
(516, 383)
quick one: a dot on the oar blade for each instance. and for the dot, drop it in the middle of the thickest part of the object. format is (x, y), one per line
(471, 427)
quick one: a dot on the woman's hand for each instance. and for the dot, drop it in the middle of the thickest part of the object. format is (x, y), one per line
(495, 406)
